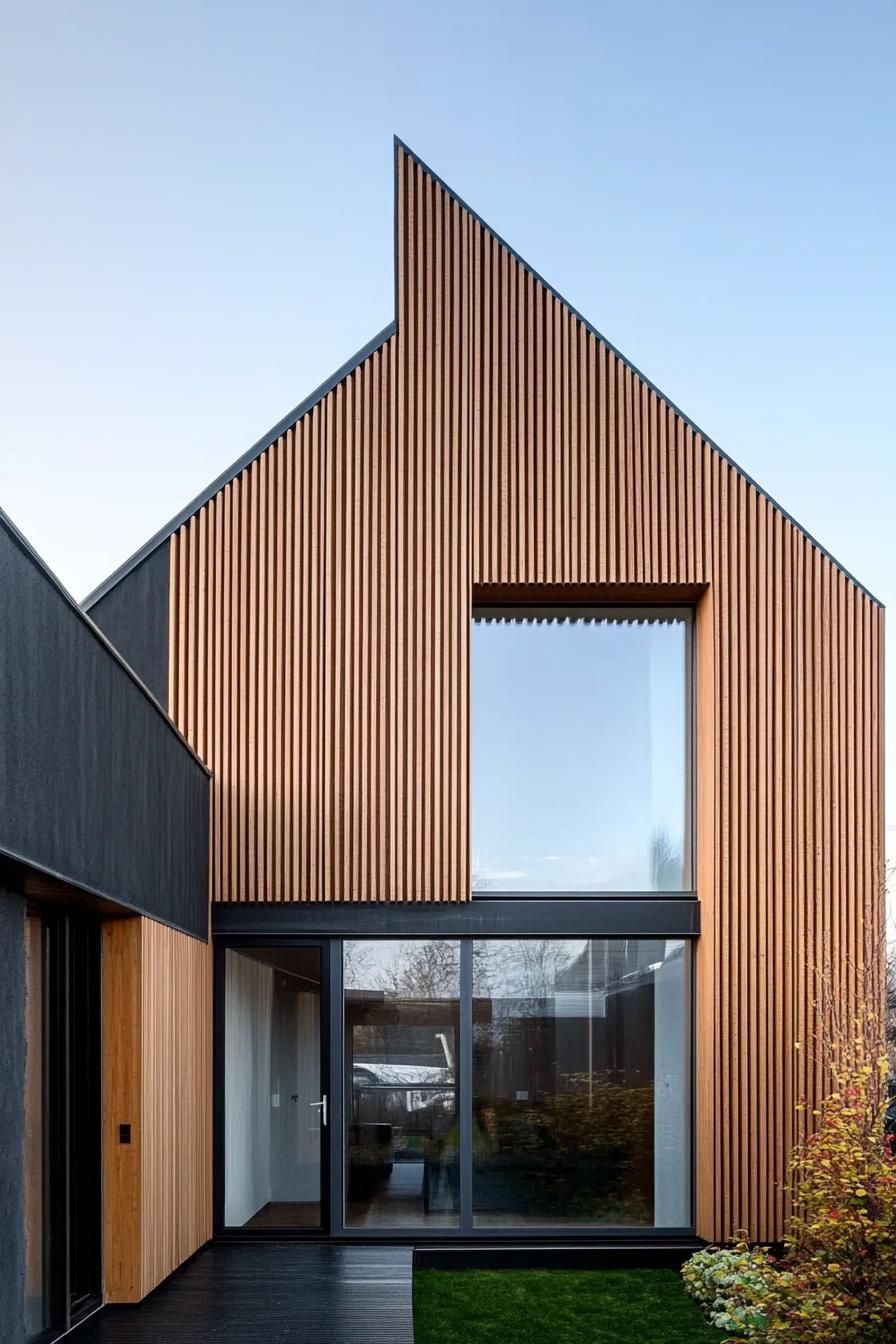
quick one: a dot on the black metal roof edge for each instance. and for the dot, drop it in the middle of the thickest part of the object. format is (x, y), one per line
(25, 546)
(265, 442)
(129, 906)
(589, 326)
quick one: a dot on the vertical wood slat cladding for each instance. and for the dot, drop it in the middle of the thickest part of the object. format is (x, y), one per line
(319, 644)
(122, 1097)
(320, 611)
(177, 1100)
(583, 475)
(157, 1078)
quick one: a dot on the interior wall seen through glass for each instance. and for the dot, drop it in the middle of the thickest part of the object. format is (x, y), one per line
(272, 1088)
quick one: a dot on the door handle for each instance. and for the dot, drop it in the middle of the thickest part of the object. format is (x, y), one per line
(322, 1107)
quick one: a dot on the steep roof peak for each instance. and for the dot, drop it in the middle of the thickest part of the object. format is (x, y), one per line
(292, 417)
(401, 147)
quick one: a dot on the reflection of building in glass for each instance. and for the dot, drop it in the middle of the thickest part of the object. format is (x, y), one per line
(401, 1075)
(564, 1082)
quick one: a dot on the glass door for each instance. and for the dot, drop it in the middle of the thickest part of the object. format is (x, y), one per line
(273, 1110)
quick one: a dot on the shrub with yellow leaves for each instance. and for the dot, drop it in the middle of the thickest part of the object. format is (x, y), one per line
(836, 1282)
(840, 1248)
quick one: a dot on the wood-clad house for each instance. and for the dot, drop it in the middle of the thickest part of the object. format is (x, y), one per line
(545, 756)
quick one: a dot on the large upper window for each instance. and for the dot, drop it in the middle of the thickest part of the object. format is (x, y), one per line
(580, 750)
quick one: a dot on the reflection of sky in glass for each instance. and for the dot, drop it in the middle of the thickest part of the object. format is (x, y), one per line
(578, 754)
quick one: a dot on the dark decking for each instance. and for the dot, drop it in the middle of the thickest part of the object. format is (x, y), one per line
(271, 1293)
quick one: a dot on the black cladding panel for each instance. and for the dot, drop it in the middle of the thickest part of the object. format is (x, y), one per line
(97, 787)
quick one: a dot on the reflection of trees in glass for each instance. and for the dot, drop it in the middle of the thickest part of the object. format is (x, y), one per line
(415, 969)
(665, 862)
(357, 964)
(478, 882)
(526, 968)
(423, 970)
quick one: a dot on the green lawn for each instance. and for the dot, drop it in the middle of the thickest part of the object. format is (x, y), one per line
(556, 1306)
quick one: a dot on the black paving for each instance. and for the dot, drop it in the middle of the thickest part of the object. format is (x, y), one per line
(270, 1293)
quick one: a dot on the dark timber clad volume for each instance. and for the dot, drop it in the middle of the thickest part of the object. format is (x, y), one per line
(96, 787)
(134, 615)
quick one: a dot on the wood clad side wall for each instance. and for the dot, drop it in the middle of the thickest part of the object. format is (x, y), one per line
(798, 840)
(157, 1078)
(177, 1100)
(319, 642)
(122, 1104)
(585, 479)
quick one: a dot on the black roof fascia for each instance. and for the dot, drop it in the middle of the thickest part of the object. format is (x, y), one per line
(589, 326)
(24, 545)
(241, 463)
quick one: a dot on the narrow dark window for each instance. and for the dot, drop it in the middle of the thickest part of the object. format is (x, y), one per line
(63, 1122)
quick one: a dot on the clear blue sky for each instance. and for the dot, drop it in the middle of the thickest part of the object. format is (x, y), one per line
(197, 220)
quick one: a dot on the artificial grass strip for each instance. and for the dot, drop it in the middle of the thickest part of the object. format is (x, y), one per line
(556, 1306)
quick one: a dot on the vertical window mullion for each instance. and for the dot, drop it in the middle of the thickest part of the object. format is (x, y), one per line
(337, 1089)
(465, 1085)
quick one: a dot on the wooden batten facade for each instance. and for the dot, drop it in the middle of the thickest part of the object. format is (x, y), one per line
(157, 1196)
(495, 447)
(318, 655)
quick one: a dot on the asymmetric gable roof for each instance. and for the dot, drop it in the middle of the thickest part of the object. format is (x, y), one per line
(376, 343)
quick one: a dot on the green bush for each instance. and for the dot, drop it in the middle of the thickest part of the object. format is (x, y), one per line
(733, 1285)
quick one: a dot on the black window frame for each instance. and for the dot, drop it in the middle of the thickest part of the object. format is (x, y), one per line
(260, 924)
(223, 1231)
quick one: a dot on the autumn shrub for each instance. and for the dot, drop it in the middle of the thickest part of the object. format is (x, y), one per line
(840, 1246)
(836, 1281)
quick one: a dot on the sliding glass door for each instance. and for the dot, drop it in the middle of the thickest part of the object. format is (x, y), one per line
(401, 1086)
(516, 1085)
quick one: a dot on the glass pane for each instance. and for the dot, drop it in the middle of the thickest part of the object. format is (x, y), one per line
(36, 1279)
(581, 1083)
(401, 1022)
(579, 751)
(272, 1088)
